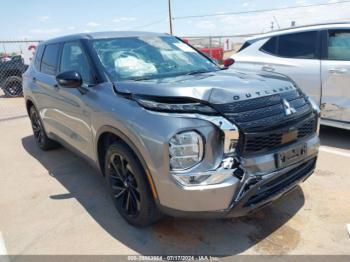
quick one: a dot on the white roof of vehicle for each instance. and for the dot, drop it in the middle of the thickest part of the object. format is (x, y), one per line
(298, 29)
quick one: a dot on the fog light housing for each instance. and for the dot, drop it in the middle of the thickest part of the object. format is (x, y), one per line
(185, 150)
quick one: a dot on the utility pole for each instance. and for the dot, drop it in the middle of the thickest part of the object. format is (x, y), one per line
(170, 18)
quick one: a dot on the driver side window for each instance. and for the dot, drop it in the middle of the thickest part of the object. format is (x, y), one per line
(75, 59)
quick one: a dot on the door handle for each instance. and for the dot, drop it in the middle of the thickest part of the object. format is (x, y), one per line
(268, 68)
(338, 70)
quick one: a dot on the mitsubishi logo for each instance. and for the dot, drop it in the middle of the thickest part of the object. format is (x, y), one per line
(288, 109)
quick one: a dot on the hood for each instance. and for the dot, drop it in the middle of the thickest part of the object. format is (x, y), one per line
(220, 87)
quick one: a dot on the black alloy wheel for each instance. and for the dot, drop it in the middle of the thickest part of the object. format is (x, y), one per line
(124, 186)
(129, 186)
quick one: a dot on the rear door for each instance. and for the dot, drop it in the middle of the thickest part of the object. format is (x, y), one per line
(296, 55)
(335, 71)
(45, 90)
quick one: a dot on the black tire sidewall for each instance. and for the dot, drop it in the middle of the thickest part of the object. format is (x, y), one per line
(148, 211)
(46, 143)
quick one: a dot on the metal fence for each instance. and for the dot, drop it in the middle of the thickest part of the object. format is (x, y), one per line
(15, 56)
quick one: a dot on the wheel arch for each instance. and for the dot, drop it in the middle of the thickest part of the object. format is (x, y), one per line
(107, 135)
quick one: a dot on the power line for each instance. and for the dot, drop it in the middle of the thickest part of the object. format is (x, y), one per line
(149, 24)
(260, 10)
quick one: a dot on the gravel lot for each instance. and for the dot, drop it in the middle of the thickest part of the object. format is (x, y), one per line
(54, 203)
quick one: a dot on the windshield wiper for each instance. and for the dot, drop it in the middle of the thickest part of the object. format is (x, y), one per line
(141, 78)
(198, 72)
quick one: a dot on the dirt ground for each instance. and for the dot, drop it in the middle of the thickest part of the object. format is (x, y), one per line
(55, 203)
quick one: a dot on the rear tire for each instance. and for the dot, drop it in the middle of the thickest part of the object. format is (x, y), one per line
(129, 187)
(13, 86)
(40, 136)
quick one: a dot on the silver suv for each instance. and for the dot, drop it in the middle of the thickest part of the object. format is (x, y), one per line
(171, 131)
(316, 57)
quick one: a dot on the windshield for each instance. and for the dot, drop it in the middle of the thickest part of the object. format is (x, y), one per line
(137, 58)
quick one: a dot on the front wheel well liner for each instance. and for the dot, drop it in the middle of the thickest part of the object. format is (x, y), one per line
(29, 104)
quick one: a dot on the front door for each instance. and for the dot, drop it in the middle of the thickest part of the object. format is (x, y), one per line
(72, 110)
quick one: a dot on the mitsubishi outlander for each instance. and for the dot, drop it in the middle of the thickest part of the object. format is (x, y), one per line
(170, 130)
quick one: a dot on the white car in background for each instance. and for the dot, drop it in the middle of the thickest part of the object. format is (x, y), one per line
(316, 57)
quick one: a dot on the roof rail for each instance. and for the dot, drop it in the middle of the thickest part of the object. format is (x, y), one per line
(308, 25)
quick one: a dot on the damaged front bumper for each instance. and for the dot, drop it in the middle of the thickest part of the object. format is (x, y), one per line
(261, 183)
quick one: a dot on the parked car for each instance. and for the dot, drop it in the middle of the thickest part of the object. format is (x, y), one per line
(316, 57)
(171, 132)
(11, 70)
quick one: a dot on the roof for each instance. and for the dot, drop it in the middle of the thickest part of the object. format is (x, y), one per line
(304, 28)
(102, 35)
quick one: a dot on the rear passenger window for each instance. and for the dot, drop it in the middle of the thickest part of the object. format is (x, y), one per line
(50, 59)
(339, 45)
(297, 45)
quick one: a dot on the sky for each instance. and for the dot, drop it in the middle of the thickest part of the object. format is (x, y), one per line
(43, 19)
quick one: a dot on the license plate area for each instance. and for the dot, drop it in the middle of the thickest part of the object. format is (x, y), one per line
(291, 156)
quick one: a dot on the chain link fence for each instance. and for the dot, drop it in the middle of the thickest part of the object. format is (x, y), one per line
(15, 56)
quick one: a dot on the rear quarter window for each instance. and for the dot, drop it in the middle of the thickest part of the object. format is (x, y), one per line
(38, 56)
(270, 46)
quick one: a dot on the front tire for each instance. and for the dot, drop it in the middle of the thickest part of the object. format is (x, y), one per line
(40, 136)
(129, 187)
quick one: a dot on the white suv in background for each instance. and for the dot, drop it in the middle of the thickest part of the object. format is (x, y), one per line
(316, 57)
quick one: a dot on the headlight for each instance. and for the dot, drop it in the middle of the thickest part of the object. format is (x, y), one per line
(185, 150)
(175, 107)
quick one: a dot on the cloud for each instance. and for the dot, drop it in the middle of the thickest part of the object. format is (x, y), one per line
(124, 19)
(245, 4)
(205, 24)
(93, 24)
(48, 31)
(71, 28)
(43, 18)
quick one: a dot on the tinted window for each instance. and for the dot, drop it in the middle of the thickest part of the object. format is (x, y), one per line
(244, 46)
(270, 46)
(75, 59)
(339, 45)
(38, 56)
(299, 45)
(49, 60)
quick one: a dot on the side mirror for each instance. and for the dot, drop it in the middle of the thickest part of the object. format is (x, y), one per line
(228, 62)
(69, 79)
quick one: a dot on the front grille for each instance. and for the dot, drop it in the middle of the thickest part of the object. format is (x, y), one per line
(264, 112)
(258, 142)
(263, 121)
